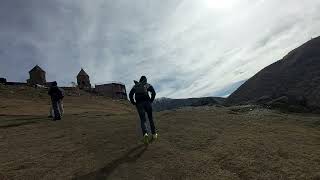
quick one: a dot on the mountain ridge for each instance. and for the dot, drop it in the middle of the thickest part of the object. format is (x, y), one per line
(296, 76)
(162, 104)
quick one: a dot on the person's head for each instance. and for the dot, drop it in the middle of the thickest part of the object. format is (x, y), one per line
(143, 79)
(54, 83)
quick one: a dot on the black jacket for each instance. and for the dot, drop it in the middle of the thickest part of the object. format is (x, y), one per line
(142, 97)
(56, 93)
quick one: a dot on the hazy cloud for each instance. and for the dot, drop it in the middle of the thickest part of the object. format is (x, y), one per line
(187, 48)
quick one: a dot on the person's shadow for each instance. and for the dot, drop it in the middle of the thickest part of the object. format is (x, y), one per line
(104, 172)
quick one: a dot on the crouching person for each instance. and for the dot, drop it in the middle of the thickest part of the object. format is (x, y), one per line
(57, 95)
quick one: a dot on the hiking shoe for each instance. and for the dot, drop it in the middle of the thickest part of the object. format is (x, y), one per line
(154, 136)
(146, 139)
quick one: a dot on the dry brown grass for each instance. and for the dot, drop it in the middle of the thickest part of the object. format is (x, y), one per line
(97, 139)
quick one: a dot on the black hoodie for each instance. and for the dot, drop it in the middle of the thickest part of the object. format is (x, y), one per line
(56, 93)
(142, 97)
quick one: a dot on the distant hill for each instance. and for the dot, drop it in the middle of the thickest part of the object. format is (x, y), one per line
(167, 103)
(293, 80)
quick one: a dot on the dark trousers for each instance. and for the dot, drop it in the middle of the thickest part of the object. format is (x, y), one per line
(143, 108)
(56, 109)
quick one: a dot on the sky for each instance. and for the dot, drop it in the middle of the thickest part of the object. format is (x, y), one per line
(186, 48)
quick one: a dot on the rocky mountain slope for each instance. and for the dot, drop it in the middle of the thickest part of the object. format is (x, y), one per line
(292, 81)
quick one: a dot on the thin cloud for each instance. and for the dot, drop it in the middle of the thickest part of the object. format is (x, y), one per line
(185, 48)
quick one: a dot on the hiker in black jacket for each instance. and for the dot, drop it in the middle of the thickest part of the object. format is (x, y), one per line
(143, 102)
(57, 95)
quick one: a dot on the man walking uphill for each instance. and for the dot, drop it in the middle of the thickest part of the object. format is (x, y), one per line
(56, 98)
(143, 103)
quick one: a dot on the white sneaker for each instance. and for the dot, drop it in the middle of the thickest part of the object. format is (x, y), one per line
(155, 136)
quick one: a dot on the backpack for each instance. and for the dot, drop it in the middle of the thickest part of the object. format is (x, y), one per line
(141, 88)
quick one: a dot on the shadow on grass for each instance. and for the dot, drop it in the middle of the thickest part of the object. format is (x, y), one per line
(103, 173)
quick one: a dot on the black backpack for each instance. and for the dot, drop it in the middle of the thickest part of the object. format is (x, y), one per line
(141, 88)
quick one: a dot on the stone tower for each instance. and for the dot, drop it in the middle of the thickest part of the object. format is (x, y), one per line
(83, 80)
(37, 76)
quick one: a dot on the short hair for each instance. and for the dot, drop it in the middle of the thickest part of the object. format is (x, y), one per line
(143, 78)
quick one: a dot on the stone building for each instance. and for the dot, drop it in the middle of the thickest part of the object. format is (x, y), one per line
(83, 80)
(112, 90)
(37, 76)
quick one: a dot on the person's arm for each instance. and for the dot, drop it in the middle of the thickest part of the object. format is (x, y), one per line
(50, 92)
(62, 93)
(131, 96)
(153, 93)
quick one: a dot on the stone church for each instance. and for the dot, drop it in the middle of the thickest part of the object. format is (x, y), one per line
(37, 76)
(113, 90)
(83, 80)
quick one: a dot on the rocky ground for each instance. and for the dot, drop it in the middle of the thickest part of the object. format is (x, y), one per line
(97, 139)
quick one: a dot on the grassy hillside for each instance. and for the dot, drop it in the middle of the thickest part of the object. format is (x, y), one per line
(97, 139)
(24, 100)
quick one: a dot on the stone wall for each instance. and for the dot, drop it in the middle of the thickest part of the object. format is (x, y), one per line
(113, 90)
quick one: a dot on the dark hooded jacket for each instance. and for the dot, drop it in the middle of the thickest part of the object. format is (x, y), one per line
(56, 93)
(142, 97)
